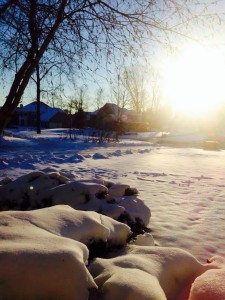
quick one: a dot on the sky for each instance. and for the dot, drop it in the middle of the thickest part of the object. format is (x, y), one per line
(185, 77)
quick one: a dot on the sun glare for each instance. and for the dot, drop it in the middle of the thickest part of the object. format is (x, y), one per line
(194, 80)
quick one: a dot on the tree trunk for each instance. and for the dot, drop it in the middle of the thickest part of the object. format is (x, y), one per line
(13, 99)
(5, 117)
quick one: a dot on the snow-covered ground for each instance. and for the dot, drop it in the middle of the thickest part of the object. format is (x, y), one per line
(183, 187)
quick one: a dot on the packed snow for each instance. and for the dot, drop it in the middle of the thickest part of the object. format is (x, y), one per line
(178, 192)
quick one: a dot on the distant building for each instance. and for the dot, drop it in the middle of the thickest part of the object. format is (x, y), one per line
(51, 117)
(110, 115)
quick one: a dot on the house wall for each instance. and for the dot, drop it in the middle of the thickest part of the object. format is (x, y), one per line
(26, 119)
(55, 125)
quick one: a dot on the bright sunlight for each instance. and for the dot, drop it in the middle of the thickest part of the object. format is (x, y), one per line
(194, 80)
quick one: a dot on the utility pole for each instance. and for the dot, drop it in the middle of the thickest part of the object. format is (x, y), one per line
(38, 116)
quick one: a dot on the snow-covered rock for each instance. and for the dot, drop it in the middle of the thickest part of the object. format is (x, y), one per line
(38, 264)
(136, 210)
(38, 190)
(145, 239)
(118, 190)
(145, 272)
(41, 253)
(83, 226)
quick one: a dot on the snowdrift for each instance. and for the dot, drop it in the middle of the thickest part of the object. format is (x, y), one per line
(49, 225)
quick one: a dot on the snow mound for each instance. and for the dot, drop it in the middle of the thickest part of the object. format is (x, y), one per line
(117, 153)
(83, 226)
(74, 158)
(118, 189)
(210, 285)
(99, 156)
(38, 190)
(142, 151)
(47, 247)
(146, 272)
(145, 239)
(38, 264)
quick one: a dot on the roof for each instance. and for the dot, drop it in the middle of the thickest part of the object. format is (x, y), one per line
(32, 107)
(49, 113)
(113, 109)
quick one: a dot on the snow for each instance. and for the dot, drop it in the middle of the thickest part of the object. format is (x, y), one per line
(181, 189)
(210, 284)
(37, 189)
(156, 273)
(82, 226)
(37, 264)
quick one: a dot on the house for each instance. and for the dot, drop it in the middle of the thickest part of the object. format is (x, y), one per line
(110, 115)
(51, 117)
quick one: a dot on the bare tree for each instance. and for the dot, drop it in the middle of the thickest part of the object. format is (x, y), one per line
(99, 99)
(136, 84)
(120, 98)
(154, 97)
(5, 5)
(75, 31)
(79, 101)
(76, 107)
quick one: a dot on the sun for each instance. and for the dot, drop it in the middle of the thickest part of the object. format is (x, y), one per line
(194, 79)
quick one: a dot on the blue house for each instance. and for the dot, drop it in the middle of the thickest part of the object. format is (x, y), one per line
(51, 117)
